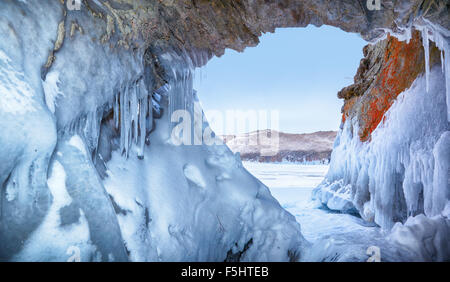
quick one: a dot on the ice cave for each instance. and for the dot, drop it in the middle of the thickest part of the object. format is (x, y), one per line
(90, 169)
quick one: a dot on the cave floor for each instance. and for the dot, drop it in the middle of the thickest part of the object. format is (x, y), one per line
(334, 236)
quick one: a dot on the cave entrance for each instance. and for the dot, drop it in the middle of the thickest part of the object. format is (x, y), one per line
(286, 86)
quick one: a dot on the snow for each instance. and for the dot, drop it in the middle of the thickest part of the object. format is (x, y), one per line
(194, 175)
(118, 189)
(424, 236)
(196, 203)
(76, 142)
(288, 174)
(51, 90)
(334, 236)
(52, 241)
(16, 93)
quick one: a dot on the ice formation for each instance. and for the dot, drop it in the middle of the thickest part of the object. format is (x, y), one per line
(440, 37)
(403, 171)
(118, 189)
(189, 203)
(401, 178)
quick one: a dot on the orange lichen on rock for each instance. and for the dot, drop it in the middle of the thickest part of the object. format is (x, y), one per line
(389, 68)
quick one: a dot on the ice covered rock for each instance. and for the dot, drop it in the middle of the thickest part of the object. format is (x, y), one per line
(400, 172)
(176, 205)
(426, 237)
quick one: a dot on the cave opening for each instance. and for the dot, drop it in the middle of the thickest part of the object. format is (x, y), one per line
(296, 72)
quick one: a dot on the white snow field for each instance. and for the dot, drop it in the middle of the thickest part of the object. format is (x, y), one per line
(334, 236)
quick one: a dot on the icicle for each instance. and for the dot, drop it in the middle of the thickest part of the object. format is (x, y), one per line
(143, 106)
(125, 122)
(150, 113)
(142, 126)
(122, 126)
(426, 47)
(443, 45)
(116, 110)
(89, 127)
(408, 35)
(134, 113)
(447, 76)
(128, 122)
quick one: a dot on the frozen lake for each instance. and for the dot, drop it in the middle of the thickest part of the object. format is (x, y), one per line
(334, 236)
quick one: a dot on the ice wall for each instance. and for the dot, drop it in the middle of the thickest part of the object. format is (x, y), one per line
(28, 131)
(88, 169)
(403, 171)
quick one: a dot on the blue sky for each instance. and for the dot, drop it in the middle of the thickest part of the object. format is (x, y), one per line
(297, 71)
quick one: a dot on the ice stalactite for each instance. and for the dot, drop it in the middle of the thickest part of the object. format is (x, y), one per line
(133, 114)
(441, 37)
(426, 47)
(178, 101)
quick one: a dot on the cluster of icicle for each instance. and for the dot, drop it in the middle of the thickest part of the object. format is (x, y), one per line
(440, 37)
(181, 94)
(133, 114)
(135, 105)
(133, 109)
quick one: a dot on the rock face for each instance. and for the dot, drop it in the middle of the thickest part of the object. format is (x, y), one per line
(387, 69)
(302, 148)
(201, 29)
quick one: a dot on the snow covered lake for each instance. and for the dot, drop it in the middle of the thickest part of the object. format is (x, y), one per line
(334, 236)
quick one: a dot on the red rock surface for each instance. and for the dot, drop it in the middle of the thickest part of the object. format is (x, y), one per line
(389, 68)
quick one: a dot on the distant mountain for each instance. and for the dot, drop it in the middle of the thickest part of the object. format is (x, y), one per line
(264, 146)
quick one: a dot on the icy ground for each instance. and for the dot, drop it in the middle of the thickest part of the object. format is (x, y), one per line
(334, 236)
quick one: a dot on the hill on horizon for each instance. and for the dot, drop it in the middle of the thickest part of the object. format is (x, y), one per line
(275, 146)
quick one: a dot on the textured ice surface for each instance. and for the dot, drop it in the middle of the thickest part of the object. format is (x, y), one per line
(403, 171)
(53, 238)
(28, 133)
(425, 237)
(334, 236)
(399, 173)
(189, 203)
(441, 37)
